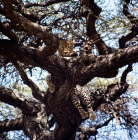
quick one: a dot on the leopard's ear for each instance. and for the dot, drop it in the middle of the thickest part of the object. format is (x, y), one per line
(72, 42)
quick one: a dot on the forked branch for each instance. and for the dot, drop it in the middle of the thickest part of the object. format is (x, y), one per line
(35, 89)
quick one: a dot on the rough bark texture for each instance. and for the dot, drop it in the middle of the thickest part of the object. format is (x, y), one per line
(65, 73)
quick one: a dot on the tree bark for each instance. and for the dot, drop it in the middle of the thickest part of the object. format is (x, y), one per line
(46, 109)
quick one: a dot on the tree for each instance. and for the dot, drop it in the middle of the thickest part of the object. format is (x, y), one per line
(31, 34)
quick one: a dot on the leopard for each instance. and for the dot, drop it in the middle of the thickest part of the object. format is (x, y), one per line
(78, 94)
(66, 48)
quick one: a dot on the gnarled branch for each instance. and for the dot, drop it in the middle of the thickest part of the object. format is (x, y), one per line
(10, 125)
(17, 100)
(44, 33)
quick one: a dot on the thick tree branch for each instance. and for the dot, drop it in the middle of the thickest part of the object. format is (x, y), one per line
(29, 56)
(10, 125)
(9, 25)
(112, 92)
(35, 89)
(103, 66)
(115, 90)
(100, 66)
(3, 61)
(36, 125)
(91, 11)
(126, 12)
(124, 39)
(7, 32)
(22, 53)
(26, 13)
(124, 75)
(17, 100)
(44, 33)
(133, 20)
(36, 46)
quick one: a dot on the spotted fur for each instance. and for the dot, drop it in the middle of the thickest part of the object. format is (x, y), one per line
(80, 94)
(77, 96)
(66, 48)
